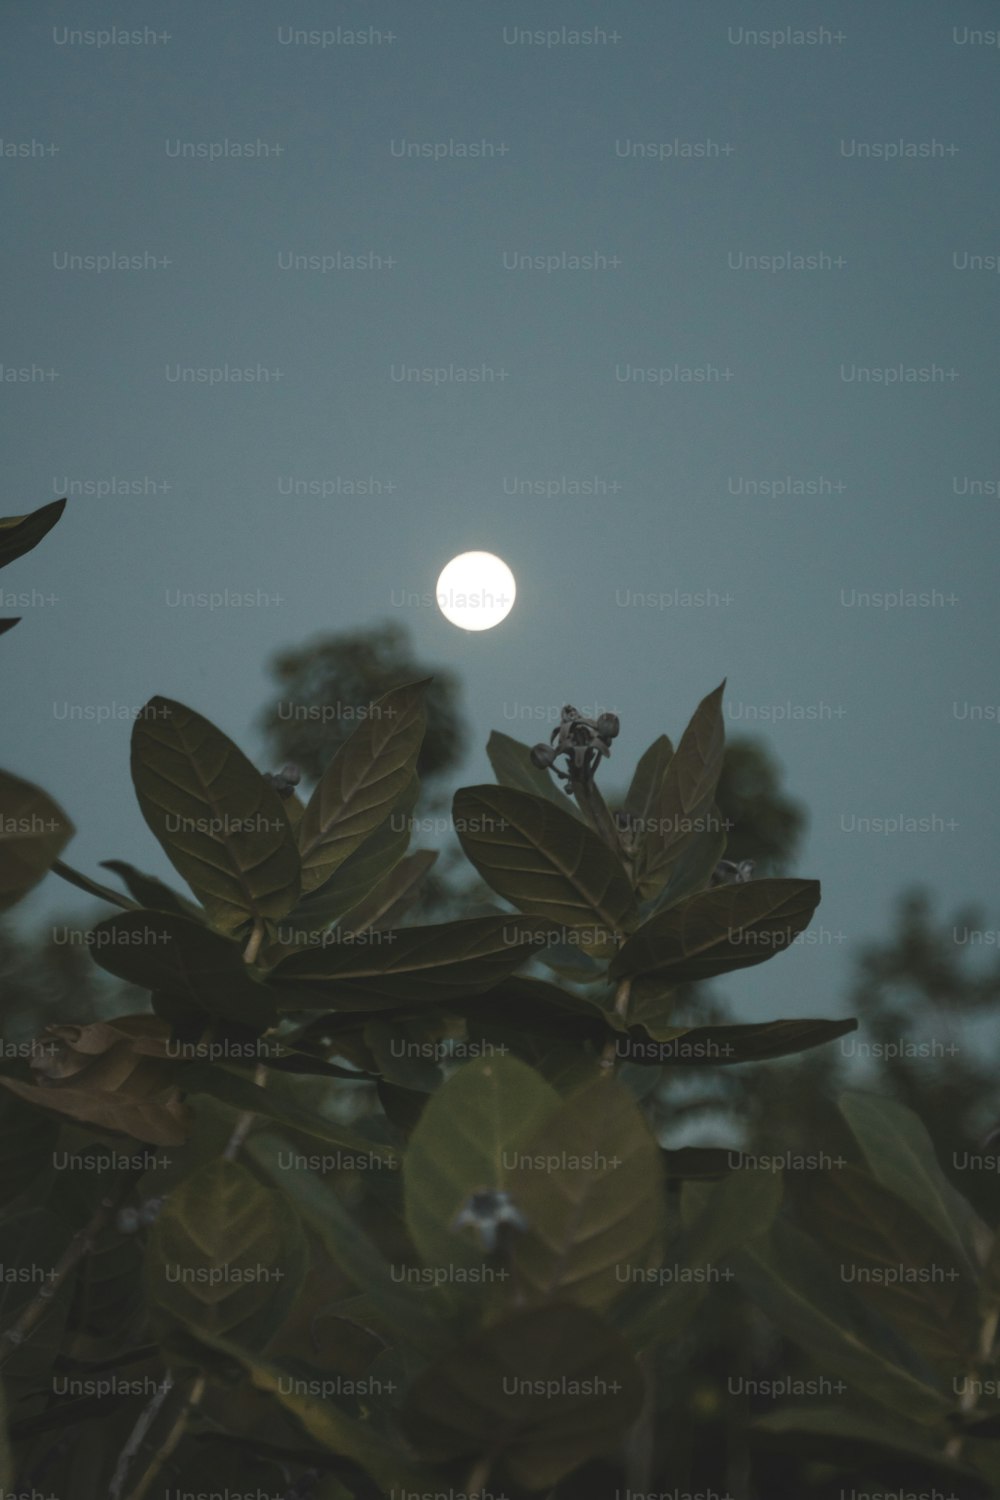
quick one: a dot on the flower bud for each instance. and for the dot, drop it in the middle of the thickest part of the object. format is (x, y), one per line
(543, 757)
(608, 726)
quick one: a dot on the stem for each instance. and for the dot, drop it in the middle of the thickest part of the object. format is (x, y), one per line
(93, 887)
(168, 1445)
(79, 1246)
(254, 941)
(146, 1419)
(970, 1396)
(242, 1127)
(622, 995)
(593, 805)
(478, 1475)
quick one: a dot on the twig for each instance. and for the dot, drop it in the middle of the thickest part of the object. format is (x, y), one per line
(622, 995)
(146, 1419)
(80, 1245)
(242, 1127)
(168, 1445)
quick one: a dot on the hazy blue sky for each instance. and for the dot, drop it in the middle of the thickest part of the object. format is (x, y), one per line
(678, 143)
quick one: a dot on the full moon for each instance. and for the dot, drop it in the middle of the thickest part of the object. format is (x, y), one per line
(476, 590)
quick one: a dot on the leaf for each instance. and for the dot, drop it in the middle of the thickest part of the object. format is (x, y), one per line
(647, 780)
(346, 1243)
(19, 534)
(679, 813)
(9, 623)
(892, 1452)
(34, 830)
(796, 1287)
(544, 861)
(547, 1389)
(732, 927)
(394, 895)
(338, 1433)
(513, 767)
(722, 1046)
(900, 1155)
(381, 969)
(26, 1145)
(176, 956)
(221, 1252)
(92, 887)
(150, 893)
(692, 870)
(360, 873)
(589, 1183)
(243, 1095)
(719, 1219)
(462, 1145)
(223, 828)
(362, 783)
(159, 1119)
(896, 1261)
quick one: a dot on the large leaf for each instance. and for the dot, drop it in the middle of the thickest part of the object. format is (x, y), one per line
(799, 1290)
(18, 534)
(222, 826)
(900, 1155)
(513, 767)
(678, 814)
(719, 1219)
(589, 1183)
(159, 1119)
(353, 881)
(547, 1389)
(544, 861)
(299, 1176)
(379, 970)
(647, 781)
(719, 1046)
(898, 1263)
(692, 870)
(242, 1094)
(463, 1144)
(363, 782)
(226, 1254)
(893, 1452)
(732, 927)
(322, 1419)
(394, 895)
(175, 956)
(34, 830)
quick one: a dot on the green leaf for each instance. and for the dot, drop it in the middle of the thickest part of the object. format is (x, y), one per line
(900, 1155)
(692, 870)
(9, 623)
(513, 767)
(589, 1183)
(546, 1390)
(732, 927)
(225, 1255)
(647, 782)
(27, 1141)
(896, 1261)
(678, 814)
(381, 969)
(544, 861)
(223, 828)
(797, 1288)
(462, 1144)
(394, 895)
(345, 1241)
(19, 534)
(722, 1046)
(325, 1423)
(175, 956)
(149, 892)
(362, 783)
(719, 1219)
(34, 830)
(243, 1095)
(896, 1453)
(360, 873)
(92, 887)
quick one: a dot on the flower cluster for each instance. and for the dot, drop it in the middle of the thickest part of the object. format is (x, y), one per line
(582, 741)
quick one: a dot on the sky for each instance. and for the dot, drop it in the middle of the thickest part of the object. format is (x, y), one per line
(687, 312)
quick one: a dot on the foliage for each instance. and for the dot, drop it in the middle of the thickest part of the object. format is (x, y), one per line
(357, 1205)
